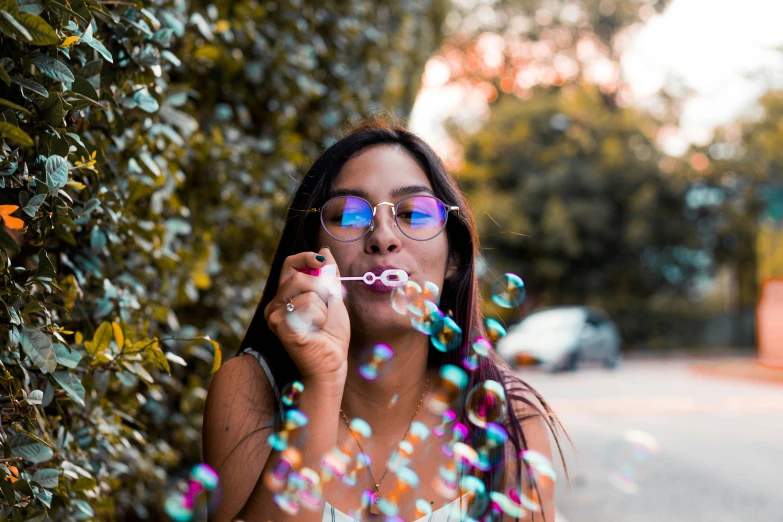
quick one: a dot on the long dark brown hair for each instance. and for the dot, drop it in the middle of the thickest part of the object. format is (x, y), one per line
(459, 296)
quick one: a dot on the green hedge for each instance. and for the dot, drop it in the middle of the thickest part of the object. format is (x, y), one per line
(147, 151)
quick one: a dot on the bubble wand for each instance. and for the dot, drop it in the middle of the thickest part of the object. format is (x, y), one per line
(392, 277)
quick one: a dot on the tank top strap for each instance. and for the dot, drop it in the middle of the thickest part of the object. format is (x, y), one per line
(265, 366)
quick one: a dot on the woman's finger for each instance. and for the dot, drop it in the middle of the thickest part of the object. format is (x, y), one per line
(301, 261)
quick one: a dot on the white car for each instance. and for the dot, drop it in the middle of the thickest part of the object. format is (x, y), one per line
(559, 338)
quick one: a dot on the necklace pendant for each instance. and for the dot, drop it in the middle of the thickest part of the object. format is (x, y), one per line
(374, 509)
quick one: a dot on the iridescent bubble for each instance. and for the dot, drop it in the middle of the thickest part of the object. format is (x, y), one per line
(301, 321)
(445, 483)
(205, 475)
(447, 417)
(423, 508)
(459, 434)
(424, 322)
(403, 296)
(371, 362)
(477, 494)
(446, 334)
(538, 476)
(429, 293)
(407, 478)
(360, 427)
(486, 402)
(503, 504)
(478, 356)
(508, 291)
(495, 330)
(628, 460)
(291, 393)
(292, 420)
(419, 431)
(453, 380)
(175, 507)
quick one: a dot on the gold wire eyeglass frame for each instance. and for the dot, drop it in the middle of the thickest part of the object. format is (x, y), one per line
(393, 206)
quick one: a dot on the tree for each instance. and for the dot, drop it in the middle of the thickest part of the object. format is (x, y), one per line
(569, 194)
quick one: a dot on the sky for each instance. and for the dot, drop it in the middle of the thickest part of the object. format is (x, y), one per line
(723, 52)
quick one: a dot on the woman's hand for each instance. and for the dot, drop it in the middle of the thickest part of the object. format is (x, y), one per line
(317, 332)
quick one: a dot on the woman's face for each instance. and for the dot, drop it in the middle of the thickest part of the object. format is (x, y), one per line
(384, 173)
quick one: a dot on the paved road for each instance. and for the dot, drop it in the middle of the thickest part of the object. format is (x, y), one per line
(721, 444)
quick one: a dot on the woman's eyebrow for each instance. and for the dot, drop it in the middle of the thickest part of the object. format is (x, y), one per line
(395, 193)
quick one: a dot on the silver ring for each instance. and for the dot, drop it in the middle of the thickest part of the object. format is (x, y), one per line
(289, 306)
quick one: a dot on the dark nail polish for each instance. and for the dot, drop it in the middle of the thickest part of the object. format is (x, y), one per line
(326, 247)
(320, 258)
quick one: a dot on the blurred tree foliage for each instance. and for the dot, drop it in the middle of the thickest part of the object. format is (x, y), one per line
(569, 194)
(740, 186)
(146, 152)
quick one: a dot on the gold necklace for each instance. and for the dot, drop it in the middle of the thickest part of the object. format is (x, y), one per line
(386, 468)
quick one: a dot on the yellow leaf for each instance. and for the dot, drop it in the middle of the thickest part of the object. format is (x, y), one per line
(79, 338)
(101, 340)
(70, 41)
(76, 185)
(118, 336)
(218, 354)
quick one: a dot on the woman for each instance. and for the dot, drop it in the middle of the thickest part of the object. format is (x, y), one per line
(379, 174)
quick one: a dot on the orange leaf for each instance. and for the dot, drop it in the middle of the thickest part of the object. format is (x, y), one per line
(12, 222)
(8, 209)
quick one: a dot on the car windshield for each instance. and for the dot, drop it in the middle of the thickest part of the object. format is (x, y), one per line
(553, 320)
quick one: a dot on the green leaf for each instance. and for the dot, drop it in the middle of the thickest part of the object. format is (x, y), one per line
(84, 507)
(56, 173)
(54, 69)
(101, 340)
(47, 478)
(90, 40)
(51, 110)
(45, 266)
(15, 134)
(155, 355)
(14, 106)
(12, 27)
(38, 346)
(71, 384)
(8, 490)
(34, 204)
(4, 76)
(8, 243)
(145, 101)
(36, 87)
(42, 33)
(35, 397)
(34, 452)
(66, 357)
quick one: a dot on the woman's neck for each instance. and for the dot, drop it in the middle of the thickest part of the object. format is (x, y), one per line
(390, 400)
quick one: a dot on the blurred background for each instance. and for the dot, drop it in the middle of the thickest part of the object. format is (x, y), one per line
(623, 158)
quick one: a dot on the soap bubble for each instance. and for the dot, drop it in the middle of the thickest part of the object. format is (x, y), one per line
(477, 493)
(628, 460)
(425, 322)
(286, 427)
(447, 417)
(537, 477)
(446, 334)
(486, 402)
(429, 293)
(180, 506)
(371, 361)
(508, 291)
(403, 296)
(291, 393)
(453, 380)
(495, 330)
(423, 508)
(478, 356)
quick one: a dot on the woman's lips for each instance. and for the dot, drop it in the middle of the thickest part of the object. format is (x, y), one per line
(378, 286)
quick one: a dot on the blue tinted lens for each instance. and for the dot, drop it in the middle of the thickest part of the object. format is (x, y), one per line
(421, 216)
(347, 217)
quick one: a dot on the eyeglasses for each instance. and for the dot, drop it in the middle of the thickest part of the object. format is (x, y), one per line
(349, 218)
